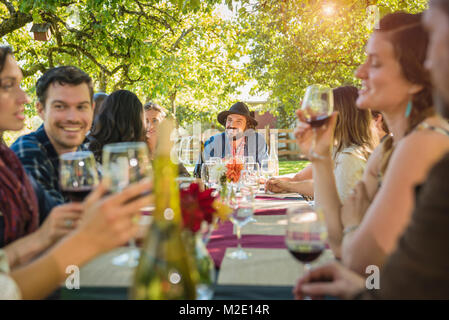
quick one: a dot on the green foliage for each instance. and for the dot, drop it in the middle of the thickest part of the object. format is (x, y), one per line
(295, 44)
(172, 52)
(183, 55)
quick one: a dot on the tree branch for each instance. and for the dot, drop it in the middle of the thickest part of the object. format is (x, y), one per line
(9, 5)
(148, 17)
(16, 21)
(157, 9)
(35, 68)
(184, 33)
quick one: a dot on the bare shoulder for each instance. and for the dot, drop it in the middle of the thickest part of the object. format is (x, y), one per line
(427, 141)
(416, 153)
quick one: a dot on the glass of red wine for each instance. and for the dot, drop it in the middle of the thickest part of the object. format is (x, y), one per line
(78, 174)
(125, 163)
(317, 107)
(305, 235)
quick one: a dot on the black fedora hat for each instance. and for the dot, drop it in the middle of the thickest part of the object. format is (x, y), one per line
(237, 108)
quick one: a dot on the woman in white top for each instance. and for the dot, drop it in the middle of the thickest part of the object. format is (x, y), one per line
(354, 140)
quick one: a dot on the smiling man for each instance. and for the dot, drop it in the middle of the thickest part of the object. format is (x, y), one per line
(239, 140)
(65, 105)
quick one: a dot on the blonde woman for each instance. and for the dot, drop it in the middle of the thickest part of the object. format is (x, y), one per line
(354, 141)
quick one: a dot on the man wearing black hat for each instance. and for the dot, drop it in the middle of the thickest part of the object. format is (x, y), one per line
(239, 140)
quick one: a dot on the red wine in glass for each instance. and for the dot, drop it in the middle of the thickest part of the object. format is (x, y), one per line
(77, 194)
(307, 253)
(318, 121)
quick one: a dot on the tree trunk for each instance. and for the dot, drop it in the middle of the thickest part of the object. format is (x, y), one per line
(172, 103)
(103, 82)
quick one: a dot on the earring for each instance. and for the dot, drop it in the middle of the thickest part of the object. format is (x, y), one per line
(409, 109)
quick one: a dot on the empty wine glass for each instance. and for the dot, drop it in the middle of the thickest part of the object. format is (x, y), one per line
(125, 163)
(243, 210)
(305, 235)
(249, 180)
(317, 107)
(248, 159)
(267, 168)
(77, 174)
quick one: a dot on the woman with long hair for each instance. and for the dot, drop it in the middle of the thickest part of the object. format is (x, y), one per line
(353, 143)
(120, 119)
(365, 228)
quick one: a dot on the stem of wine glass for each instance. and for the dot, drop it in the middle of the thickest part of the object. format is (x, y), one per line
(307, 267)
(239, 235)
(313, 153)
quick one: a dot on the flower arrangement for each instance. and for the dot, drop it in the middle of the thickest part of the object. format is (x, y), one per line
(198, 206)
(234, 168)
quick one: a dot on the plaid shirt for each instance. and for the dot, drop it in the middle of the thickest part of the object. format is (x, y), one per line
(41, 162)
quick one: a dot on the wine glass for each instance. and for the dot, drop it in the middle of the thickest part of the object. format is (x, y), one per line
(267, 168)
(248, 159)
(125, 163)
(243, 210)
(77, 174)
(216, 159)
(249, 180)
(317, 108)
(305, 235)
(212, 180)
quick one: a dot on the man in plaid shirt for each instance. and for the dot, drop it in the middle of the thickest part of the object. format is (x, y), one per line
(66, 106)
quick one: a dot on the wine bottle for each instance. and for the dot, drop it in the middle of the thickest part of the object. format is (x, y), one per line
(273, 153)
(165, 271)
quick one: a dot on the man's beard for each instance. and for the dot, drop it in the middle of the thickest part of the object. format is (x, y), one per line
(234, 132)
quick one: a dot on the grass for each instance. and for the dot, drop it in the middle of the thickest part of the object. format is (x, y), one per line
(286, 167)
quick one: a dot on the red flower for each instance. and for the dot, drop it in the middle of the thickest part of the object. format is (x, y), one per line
(234, 168)
(196, 207)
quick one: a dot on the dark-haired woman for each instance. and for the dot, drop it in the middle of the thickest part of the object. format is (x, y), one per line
(120, 119)
(365, 229)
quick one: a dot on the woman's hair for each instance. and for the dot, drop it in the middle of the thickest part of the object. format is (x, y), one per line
(376, 114)
(119, 120)
(410, 41)
(353, 127)
(4, 51)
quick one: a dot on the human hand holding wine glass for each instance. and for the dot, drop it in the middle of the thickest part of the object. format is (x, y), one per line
(305, 235)
(314, 115)
(123, 164)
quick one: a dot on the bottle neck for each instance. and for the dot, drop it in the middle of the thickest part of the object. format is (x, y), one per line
(166, 191)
